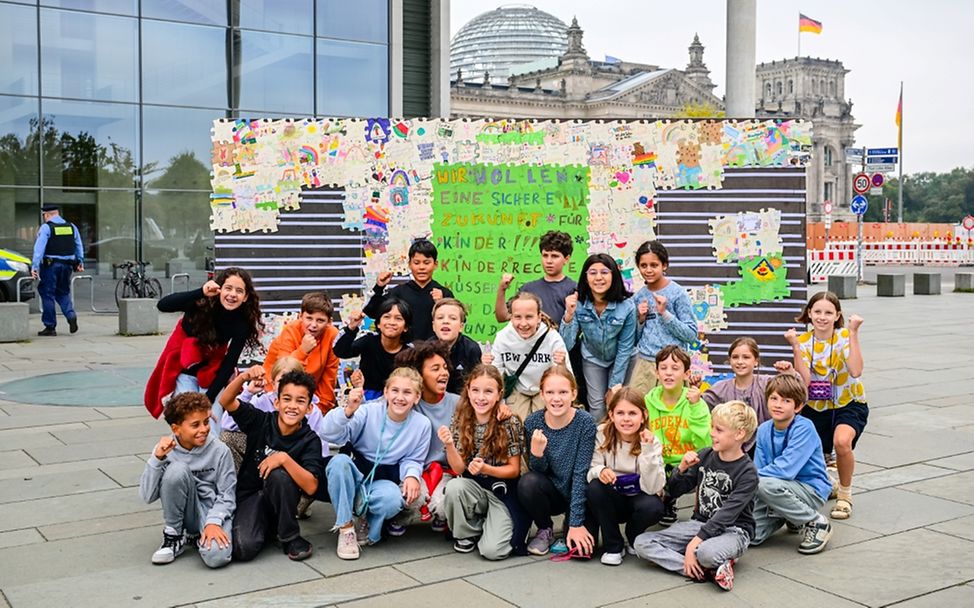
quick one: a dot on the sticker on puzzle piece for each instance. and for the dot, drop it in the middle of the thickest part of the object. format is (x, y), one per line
(763, 279)
(707, 304)
(352, 303)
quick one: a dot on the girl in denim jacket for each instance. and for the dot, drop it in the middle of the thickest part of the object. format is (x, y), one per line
(605, 317)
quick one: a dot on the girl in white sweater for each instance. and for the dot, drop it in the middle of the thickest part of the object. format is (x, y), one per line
(626, 476)
(528, 326)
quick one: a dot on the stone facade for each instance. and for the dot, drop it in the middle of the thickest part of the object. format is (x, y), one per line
(814, 89)
(575, 86)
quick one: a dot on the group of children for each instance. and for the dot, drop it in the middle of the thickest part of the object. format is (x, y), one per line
(486, 446)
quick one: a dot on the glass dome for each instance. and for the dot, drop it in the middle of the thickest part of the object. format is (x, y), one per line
(505, 37)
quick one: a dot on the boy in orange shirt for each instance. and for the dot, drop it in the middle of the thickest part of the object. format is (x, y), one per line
(309, 340)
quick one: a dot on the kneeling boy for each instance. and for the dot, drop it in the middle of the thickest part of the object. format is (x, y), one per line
(282, 460)
(722, 524)
(191, 473)
(792, 482)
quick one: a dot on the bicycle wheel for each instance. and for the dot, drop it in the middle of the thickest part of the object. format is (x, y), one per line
(152, 288)
(121, 290)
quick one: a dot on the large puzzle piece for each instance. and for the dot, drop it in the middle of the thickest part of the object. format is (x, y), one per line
(763, 279)
(746, 234)
(707, 303)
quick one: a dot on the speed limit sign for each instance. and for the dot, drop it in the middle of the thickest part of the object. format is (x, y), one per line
(861, 183)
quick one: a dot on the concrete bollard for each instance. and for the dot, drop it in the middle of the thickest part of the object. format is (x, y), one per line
(926, 283)
(964, 281)
(138, 317)
(843, 286)
(14, 321)
(891, 285)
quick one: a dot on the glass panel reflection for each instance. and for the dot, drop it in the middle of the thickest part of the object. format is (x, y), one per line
(90, 144)
(287, 16)
(212, 12)
(176, 147)
(88, 56)
(353, 79)
(18, 49)
(276, 73)
(19, 149)
(366, 20)
(192, 72)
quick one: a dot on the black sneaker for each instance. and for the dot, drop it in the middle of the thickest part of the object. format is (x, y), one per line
(73, 325)
(464, 545)
(816, 536)
(172, 546)
(298, 549)
(669, 514)
(47, 331)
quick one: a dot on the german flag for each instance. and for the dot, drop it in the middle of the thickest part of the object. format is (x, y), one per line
(807, 24)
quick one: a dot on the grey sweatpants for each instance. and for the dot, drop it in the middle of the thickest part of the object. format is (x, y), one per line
(182, 511)
(472, 511)
(666, 548)
(781, 500)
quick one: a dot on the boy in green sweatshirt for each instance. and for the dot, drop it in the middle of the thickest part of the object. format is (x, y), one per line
(677, 415)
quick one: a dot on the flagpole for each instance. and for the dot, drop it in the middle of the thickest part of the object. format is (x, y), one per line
(799, 34)
(899, 145)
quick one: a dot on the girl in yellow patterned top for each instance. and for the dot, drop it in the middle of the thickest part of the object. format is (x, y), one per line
(829, 360)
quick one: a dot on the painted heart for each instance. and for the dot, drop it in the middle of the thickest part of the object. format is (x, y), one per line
(623, 176)
(700, 310)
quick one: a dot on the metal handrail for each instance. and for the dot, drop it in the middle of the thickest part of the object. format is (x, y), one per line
(172, 281)
(21, 280)
(92, 302)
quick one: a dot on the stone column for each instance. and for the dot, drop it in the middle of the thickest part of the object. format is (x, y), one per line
(741, 42)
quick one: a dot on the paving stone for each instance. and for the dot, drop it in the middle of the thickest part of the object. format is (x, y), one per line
(454, 565)
(312, 594)
(550, 584)
(861, 572)
(960, 462)
(126, 474)
(95, 449)
(54, 484)
(961, 595)
(41, 416)
(908, 448)
(445, 595)
(124, 411)
(958, 487)
(143, 585)
(959, 399)
(18, 439)
(418, 543)
(752, 587)
(102, 525)
(62, 509)
(783, 545)
(111, 430)
(15, 459)
(16, 538)
(77, 465)
(897, 476)
(872, 510)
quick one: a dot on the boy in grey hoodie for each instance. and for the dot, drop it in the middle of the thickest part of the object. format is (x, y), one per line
(192, 474)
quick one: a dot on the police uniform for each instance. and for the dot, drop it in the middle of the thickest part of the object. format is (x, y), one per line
(57, 252)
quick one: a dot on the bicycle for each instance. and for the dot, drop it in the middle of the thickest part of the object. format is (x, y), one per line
(135, 284)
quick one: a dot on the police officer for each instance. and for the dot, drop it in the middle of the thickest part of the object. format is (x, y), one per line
(57, 253)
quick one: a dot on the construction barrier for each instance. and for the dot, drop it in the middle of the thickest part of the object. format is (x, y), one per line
(839, 257)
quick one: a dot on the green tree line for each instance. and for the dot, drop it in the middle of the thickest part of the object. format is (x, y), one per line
(928, 197)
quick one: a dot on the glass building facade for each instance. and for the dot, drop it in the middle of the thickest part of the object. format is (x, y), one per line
(106, 108)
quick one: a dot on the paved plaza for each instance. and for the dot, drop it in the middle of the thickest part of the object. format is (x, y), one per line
(73, 531)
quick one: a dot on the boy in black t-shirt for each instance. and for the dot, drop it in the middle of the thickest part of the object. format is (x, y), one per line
(282, 460)
(420, 292)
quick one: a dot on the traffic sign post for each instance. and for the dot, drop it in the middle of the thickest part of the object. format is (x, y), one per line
(859, 205)
(860, 183)
(878, 179)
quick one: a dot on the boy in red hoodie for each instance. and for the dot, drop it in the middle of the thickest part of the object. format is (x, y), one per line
(309, 340)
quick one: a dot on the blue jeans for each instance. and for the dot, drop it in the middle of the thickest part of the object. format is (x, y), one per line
(55, 287)
(186, 383)
(385, 498)
(597, 381)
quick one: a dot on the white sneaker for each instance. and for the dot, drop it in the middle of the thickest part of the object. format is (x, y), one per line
(612, 559)
(347, 544)
(172, 547)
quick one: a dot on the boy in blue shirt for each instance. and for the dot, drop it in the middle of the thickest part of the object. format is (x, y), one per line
(792, 482)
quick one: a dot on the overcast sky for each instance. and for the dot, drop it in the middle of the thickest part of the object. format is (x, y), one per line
(928, 45)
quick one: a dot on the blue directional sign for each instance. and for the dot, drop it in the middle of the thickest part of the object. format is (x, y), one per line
(881, 160)
(882, 151)
(859, 204)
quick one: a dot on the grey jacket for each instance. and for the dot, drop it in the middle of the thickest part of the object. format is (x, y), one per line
(212, 466)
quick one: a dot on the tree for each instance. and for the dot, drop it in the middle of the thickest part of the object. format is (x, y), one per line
(929, 197)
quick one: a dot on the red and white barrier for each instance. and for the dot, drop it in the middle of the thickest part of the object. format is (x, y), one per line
(839, 257)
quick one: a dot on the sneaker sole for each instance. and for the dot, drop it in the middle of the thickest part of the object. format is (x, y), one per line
(168, 560)
(817, 549)
(538, 552)
(464, 549)
(349, 556)
(396, 533)
(296, 557)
